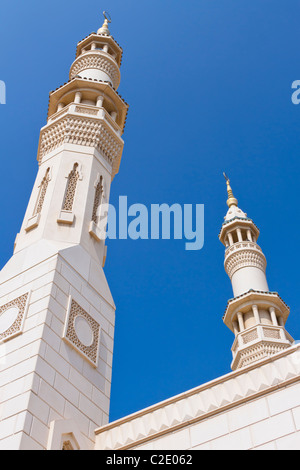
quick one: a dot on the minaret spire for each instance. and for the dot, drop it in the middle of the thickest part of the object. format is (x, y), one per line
(231, 201)
(255, 315)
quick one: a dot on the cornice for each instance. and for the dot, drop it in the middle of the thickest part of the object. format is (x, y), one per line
(202, 402)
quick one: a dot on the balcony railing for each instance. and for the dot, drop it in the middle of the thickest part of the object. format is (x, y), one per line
(89, 110)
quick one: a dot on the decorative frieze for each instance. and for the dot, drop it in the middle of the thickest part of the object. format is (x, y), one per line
(97, 60)
(257, 352)
(244, 257)
(79, 130)
(258, 342)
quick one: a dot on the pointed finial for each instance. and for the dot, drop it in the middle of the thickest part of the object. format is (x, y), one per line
(104, 29)
(231, 201)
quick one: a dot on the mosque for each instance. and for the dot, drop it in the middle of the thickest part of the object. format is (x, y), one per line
(57, 313)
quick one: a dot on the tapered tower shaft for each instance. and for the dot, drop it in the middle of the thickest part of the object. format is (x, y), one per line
(57, 314)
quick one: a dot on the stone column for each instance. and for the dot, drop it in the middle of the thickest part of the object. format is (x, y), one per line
(273, 316)
(241, 321)
(256, 313)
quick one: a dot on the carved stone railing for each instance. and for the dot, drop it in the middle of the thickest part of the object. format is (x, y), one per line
(242, 245)
(257, 342)
(86, 125)
(243, 254)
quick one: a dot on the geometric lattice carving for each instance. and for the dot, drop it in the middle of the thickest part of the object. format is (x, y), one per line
(248, 337)
(99, 191)
(71, 189)
(271, 333)
(42, 193)
(257, 352)
(12, 316)
(82, 332)
(257, 343)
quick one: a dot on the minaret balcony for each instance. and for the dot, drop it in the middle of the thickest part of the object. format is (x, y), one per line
(86, 125)
(88, 110)
(257, 343)
(244, 254)
(245, 302)
(241, 245)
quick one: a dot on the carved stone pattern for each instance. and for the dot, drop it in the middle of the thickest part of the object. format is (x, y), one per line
(251, 336)
(257, 352)
(95, 61)
(42, 193)
(97, 200)
(70, 190)
(81, 131)
(89, 351)
(86, 110)
(20, 303)
(242, 245)
(271, 333)
(244, 258)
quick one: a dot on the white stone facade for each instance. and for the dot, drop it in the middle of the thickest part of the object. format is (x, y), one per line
(257, 407)
(43, 378)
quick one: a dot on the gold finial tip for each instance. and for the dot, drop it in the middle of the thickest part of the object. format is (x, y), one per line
(231, 201)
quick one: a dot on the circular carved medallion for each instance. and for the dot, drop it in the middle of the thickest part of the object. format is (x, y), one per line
(7, 318)
(83, 331)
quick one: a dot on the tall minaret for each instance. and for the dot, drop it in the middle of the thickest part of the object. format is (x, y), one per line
(56, 311)
(255, 315)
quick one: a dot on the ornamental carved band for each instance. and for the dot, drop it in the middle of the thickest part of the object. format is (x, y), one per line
(82, 332)
(244, 258)
(82, 131)
(96, 61)
(257, 352)
(12, 316)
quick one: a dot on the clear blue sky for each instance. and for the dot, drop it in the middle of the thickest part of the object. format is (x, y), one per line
(209, 88)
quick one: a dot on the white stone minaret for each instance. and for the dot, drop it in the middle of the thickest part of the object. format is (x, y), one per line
(56, 310)
(255, 315)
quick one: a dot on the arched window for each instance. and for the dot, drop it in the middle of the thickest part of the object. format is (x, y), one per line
(99, 192)
(71, 189)
(42, 192)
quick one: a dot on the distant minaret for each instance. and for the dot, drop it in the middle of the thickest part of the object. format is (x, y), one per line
(256, 316)
(57, 314)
